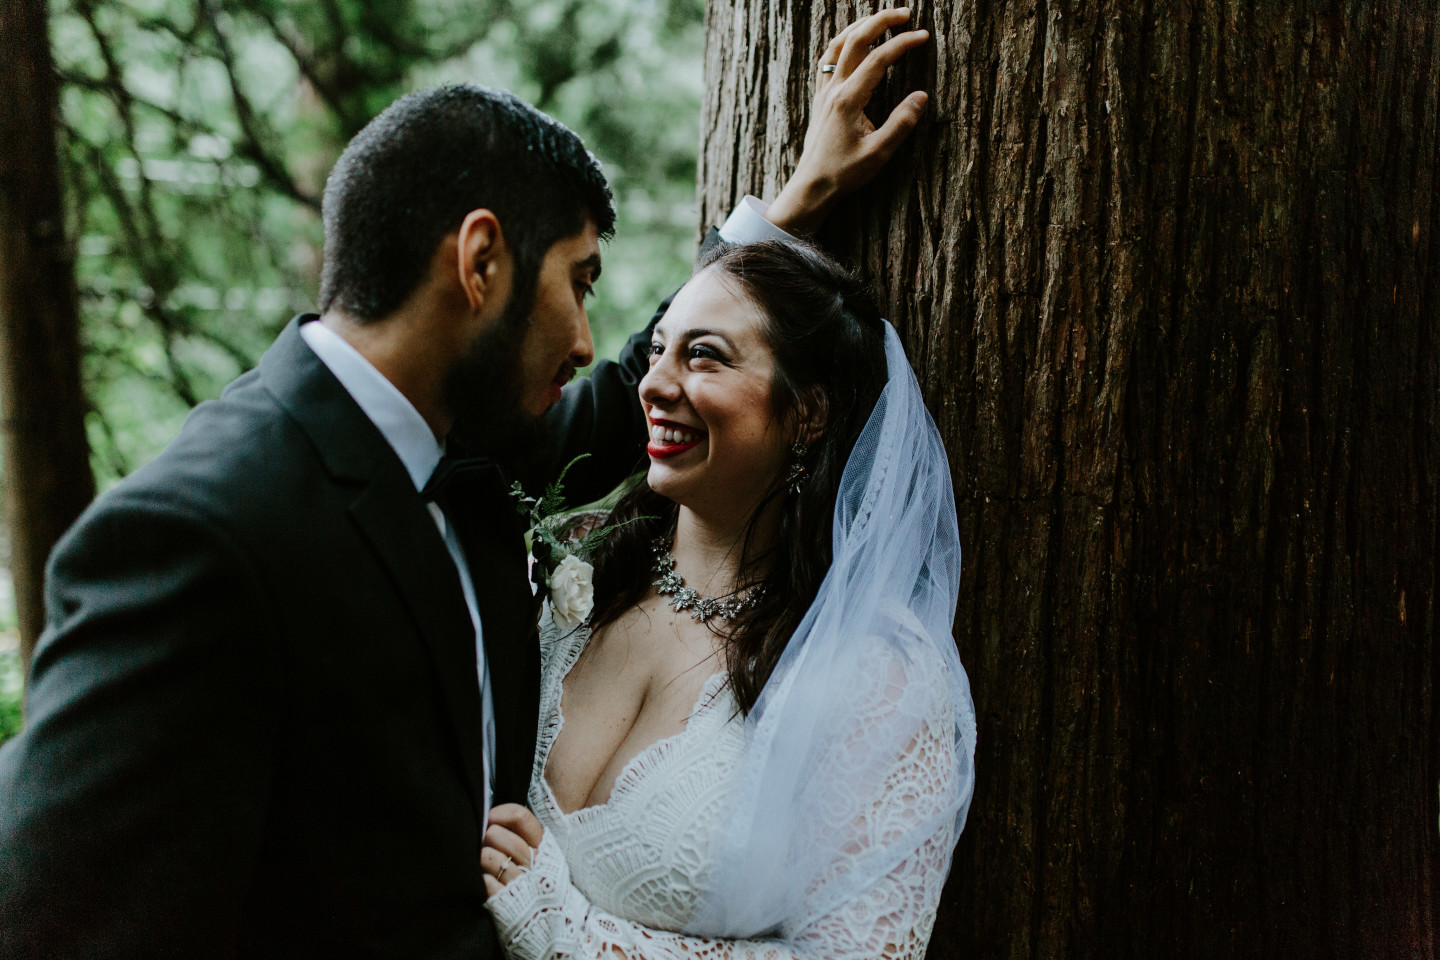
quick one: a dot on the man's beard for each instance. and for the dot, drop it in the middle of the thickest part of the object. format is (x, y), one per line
(486, 388)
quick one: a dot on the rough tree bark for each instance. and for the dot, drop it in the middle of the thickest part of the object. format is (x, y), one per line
(1170, 276)
(47, 460)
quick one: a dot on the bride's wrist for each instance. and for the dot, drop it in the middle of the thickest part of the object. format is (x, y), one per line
(530, 912)
(802, 206)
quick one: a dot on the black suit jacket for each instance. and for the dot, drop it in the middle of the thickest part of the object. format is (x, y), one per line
(253, 722)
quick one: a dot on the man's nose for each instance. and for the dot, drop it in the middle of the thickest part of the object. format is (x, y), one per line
(582, 352)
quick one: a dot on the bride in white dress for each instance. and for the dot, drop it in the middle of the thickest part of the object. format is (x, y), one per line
(761, 743)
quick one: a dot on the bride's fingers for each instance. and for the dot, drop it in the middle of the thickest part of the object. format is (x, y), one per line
(520, 821)
(496, 867)
(831, 53)
(492, 886)
(872, 69)
(865, 34)
(898, 125)
(504, 843)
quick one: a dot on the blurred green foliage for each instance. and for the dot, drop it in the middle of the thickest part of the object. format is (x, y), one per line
(10, 686)
(198, 135)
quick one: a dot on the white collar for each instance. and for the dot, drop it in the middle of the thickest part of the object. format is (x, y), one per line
(396, 417)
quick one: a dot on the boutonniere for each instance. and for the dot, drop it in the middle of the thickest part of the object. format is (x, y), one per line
(561, 559)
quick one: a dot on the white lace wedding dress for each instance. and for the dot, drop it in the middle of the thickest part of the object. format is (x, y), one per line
(622, 878)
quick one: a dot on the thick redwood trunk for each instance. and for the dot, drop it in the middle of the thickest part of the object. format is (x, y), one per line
(47, 465)
(1170, 275)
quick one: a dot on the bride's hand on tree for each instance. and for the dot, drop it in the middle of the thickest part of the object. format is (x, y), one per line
(510, 840)
(843, 149)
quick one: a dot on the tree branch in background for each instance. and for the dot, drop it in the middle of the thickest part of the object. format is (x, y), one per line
(303, 53)
(155, 271)
(258, 137)
(114, 458)
(119, 94)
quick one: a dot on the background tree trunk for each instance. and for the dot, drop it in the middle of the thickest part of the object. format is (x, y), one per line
(47, 463)
(1168, 275)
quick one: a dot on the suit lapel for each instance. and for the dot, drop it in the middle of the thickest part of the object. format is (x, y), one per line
(399, 528)
(492, 536)
(405, 540)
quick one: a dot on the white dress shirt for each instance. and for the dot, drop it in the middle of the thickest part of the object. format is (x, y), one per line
(413, 442)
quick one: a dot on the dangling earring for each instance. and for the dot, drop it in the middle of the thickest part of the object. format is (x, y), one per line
(795, 479)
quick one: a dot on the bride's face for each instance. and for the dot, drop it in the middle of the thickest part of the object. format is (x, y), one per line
(715, 442)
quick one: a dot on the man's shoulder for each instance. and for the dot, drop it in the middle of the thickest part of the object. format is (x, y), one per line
(233, 456)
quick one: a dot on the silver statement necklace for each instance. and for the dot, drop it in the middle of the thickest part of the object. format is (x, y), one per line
(683, 598)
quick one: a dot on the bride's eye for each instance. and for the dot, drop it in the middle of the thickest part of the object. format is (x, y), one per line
(702, 351)
(656, 348)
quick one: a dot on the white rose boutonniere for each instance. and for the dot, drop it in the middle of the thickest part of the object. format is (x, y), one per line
(572, 592)
(560, 564)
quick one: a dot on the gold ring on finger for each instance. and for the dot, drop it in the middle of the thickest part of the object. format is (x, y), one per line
(503, 867)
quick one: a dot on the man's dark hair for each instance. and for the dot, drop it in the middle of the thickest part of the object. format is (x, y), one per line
(409, 178)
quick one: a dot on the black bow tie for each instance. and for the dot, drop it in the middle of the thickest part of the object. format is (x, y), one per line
(451, 469)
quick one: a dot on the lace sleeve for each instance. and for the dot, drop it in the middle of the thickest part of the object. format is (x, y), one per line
(893, 917)
(542, 915)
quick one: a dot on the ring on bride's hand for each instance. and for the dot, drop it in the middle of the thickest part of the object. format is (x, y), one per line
(827, 68)
(500, 875)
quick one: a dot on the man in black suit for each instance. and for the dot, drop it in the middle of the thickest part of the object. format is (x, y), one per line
(260, 723)
(290, 665)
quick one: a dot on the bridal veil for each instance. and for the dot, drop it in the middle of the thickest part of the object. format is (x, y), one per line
(870, 676)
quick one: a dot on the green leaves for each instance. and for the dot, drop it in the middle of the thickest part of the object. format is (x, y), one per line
(10, 693)
(551, 529)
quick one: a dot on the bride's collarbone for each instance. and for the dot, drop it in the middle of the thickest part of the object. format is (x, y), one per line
(645, 652)
(635, 684)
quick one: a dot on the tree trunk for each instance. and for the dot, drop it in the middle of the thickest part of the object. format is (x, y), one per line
(1169, 274)
(47, 465)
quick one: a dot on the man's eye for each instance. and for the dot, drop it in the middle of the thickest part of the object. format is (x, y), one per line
(587, 290)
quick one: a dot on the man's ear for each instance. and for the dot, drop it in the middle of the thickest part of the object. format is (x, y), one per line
(482, 257)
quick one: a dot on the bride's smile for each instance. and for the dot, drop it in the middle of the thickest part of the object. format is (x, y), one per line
(709, 400)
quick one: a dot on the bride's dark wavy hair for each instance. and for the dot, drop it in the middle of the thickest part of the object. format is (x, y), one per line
(829, 344)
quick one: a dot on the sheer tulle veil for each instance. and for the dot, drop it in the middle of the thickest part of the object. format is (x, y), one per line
(861, 683)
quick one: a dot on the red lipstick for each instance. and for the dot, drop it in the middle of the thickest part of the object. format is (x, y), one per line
(661, 450)
(665, 449)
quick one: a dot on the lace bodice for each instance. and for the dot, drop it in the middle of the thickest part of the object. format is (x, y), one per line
(641, 854)
(622, 878)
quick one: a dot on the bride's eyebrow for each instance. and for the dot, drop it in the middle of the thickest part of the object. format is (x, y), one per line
(695, 333)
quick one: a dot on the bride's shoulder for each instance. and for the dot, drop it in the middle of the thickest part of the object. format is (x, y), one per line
(559, 644)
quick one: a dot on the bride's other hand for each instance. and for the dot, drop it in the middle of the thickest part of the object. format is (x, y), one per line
(843, 149)
(510, 840)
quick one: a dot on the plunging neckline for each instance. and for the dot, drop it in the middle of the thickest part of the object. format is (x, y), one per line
(709, 692)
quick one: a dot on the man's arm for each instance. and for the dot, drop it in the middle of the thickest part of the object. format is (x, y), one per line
(132, 805)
